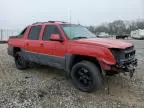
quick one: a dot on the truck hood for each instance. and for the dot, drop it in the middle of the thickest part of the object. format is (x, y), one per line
(109, 43)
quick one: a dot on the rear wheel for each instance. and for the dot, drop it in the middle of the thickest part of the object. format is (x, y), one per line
(86, 76)
(20, 62)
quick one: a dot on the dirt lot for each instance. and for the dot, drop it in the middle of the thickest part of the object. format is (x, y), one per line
(45, 87)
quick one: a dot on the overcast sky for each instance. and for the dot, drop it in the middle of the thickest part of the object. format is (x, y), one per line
(19, 13)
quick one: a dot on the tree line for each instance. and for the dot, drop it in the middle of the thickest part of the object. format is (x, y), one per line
(117, 27)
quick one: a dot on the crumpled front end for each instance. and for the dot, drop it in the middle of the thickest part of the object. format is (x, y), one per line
(125, 61)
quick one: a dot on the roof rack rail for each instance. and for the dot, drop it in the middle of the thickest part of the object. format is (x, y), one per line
(48, 22)
(38, 23)
(57, 21)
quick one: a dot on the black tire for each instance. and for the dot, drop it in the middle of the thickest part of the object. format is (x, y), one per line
(86, 80)
(20, 62)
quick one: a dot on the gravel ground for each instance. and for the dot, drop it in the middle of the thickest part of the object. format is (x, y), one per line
(45, 87)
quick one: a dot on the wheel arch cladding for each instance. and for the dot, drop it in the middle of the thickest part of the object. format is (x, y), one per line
(16, 49)
(71, 60)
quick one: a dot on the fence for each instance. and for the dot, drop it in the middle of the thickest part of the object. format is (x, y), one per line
(6, 33)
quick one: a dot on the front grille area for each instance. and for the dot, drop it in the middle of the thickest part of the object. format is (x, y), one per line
(125, 60)
(130, 54)
(124, 55)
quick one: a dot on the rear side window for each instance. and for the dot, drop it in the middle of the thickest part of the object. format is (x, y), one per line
(51, 29)
(34, 33)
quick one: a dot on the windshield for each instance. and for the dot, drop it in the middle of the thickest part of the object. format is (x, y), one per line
(74, 31)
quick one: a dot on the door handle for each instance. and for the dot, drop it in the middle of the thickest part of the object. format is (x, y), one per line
(27, 44)
(42, 45)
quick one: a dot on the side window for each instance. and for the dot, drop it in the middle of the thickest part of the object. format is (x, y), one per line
(34, 33)
(51, 29)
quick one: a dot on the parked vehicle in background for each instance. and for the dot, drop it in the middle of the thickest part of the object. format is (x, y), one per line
(138, 34)
(85, 58)
(122, 36)
(103, 35)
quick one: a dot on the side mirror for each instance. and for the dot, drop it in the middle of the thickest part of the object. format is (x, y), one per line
(56, 37)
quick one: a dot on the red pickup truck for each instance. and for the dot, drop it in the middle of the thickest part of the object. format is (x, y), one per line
(83, 56)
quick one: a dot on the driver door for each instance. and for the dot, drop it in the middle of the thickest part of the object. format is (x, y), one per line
(48, 46)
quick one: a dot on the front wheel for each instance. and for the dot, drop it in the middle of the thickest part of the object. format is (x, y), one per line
(20, 62)
(86, 76)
